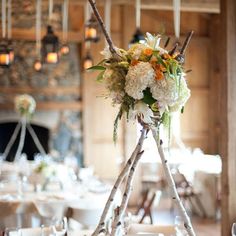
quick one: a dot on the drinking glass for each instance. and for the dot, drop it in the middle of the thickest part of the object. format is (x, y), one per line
(179, 227)
(233, 229)
(59, 227)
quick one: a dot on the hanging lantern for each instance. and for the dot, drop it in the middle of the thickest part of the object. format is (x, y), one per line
(91, 30)
(37, 65)
(88, 61)
(138, 37)
(4, 55)
(50, 46)
(65, 49)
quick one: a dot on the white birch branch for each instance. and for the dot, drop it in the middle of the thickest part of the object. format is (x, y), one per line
(171, 184)
(128, 188)
(124, 172)
(22, 138)
(12, 140)
(36, 140)
(107, 36)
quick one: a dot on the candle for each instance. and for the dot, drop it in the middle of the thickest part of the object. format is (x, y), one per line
(52, 57)
(90, 33)
(4, 59)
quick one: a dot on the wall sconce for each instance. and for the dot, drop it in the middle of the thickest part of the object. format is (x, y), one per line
(91, 30)
(88, 61)
(50, 46)
(4, 55)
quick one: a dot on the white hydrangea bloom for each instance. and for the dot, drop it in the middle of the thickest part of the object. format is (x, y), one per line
(183, 96)
(164, 91)
(143, 111)
(138, 79)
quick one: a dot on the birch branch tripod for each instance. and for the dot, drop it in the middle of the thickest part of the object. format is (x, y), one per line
(21, 127)
(130, 167)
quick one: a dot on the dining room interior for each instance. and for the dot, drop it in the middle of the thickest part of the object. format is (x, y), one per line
(117, 117)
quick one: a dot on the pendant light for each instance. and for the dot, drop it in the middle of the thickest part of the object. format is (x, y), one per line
(138, 36)
(9, 33)
(91, 32)
(38, 63)
(65, 48)
(50, 42)
(4, 52)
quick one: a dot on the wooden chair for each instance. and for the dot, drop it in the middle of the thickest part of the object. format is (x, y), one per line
(145, 207)
(187, 192)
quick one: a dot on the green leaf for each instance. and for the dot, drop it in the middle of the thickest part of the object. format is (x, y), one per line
(182, 110)
(97, 68)
(100, 76)
(147, 97)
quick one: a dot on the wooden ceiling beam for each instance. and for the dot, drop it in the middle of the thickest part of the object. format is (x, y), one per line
(47, 91)
(204, 6)
(50, 105)
(29, 34)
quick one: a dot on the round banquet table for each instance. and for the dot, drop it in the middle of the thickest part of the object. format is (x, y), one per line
(15, 208)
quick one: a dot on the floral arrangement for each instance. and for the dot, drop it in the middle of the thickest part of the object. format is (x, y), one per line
(25, 105)
(45, 169)
(147, 81)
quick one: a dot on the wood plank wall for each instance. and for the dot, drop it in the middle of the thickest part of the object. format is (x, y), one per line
(195, 122)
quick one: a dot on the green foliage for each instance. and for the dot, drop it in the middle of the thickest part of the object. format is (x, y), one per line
(100, 76)
(124, 108)
(147, 97)
(97, 67)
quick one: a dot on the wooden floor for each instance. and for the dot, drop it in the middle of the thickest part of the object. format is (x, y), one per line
(202, 227)
(206, 227)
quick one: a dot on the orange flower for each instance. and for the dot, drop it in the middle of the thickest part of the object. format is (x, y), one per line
(148, 51)
(159, 69)
(134, 62)
(159, 75)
